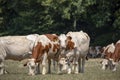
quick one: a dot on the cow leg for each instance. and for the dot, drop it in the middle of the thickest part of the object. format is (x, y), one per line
(49, 65)
(114, 69)
(76, 71)
(59, 68)
(44, 64)
(114, 66)
(54, 65)
(83, 65)
(70, 68)
(79, 64)
(1, 68)
(38, 68)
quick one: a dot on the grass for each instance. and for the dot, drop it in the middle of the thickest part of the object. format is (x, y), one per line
(92, 72)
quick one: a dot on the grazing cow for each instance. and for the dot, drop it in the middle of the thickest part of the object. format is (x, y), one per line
(116, 56)
(47, 48)
(15, 48)
(112, 56)
(75, 46)
(108, 51)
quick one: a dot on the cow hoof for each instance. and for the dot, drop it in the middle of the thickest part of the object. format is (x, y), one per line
(43, 73)
(31, 74)
(6, 72)
(69, 72)
(76, 72)
(113, 70)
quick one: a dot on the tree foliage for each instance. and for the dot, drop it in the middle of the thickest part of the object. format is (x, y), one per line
(96, 17)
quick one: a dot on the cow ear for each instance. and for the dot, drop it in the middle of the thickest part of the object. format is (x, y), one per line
(69, 37)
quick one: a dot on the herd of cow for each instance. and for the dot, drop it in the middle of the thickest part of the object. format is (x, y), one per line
(69, 51)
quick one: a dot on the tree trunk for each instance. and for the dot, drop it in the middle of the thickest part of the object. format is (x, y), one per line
(74, 23)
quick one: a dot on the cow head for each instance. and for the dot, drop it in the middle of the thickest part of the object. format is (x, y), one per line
(66, 46)
(31, 66)
(63, 62)
(66, 42)
(104, 64)
(62, 40)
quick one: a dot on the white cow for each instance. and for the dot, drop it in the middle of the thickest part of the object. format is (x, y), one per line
(15, 48)
(75, 46)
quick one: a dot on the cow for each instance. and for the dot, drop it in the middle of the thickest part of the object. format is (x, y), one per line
(116, 56)
(108, 51)
(98, 51)
(46, 48)
(112, 56)
(75, 46)
(92, 52)
(16, 48)
(95, 52)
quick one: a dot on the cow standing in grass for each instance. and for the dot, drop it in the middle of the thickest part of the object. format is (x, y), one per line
(75, 46)
(46, 48)
(15, 48)
(112, 56)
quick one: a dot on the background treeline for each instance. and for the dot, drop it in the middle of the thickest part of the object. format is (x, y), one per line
(99, 18)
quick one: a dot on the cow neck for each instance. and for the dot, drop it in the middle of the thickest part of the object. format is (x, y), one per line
(36, 50)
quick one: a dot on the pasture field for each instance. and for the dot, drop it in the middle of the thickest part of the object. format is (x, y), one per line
(92, 72)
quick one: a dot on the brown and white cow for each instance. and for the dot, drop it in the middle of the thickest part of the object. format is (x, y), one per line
(108, 51)
(47, 48)
(116, 56)
(112, 56)
(75, 46)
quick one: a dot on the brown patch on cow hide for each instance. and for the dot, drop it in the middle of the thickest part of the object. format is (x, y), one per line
(50, 45)
(108, 55)
(70, 44)
(37, 51)
(56, 47)
(47, 47)
(52, 37)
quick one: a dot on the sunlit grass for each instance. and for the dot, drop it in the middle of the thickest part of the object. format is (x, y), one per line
(92, 72)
